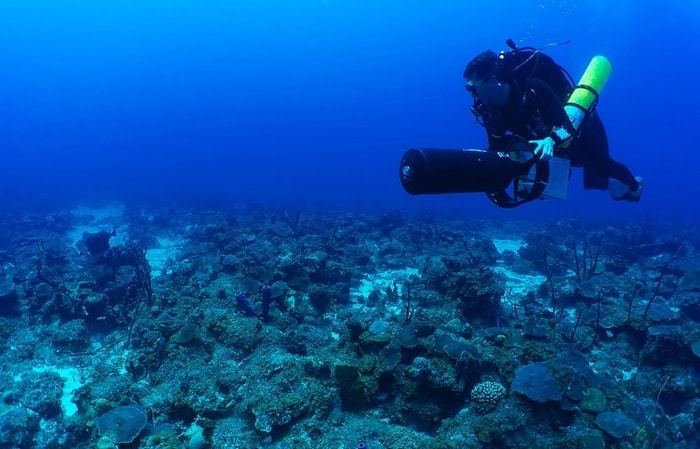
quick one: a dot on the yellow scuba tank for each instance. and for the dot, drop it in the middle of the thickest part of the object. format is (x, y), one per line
(584, 98)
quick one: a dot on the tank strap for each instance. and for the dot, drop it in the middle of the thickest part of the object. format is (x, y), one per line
(596, 97)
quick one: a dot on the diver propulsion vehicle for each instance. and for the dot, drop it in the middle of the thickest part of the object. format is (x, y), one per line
(442, 171)
(511, 177)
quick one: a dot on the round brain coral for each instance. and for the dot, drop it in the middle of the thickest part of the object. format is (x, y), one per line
(486, 395)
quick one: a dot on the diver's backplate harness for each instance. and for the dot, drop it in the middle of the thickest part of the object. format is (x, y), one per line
(517, 66)
(434, 171)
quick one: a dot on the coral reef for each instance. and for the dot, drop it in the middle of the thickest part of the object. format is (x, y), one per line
(250, 328)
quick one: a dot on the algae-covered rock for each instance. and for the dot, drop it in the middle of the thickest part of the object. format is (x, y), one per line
(592, 440)
(656, 429)
(353, 391)
(161, 436)
(277, 391)
(368, 432)
(187, 333)
(689, 303)
(497, 428)
(280, 411)
(535, 329)
(42, 393)
(321, 297)
(279, 289)
(241, 333)
(72, 336)
(105, 443)
(536, 382)
(407, 337)
(232, 433)
(453, 346)
(231, 263)
(390, 357)
(616, 424)
(346, 375)
(281, 408)
(378, 334)
(583, 439)
(379, 327)
(669, 332)
(17, 427)
(660, 312)
(122, 424)
(593, 400)
(690, 280)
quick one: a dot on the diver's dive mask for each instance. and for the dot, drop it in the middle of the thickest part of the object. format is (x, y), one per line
(489, 93)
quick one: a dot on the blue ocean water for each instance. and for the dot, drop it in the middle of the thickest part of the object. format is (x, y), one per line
(204, 242)
(313, 102)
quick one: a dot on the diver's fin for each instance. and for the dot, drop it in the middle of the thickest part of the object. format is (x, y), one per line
(621, 192)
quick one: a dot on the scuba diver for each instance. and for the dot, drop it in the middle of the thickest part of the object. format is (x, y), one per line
(523, 94)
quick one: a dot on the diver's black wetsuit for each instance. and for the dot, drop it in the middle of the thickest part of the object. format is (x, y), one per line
(531, 112)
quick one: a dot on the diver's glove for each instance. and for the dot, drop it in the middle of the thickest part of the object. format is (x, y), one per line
(544, 148)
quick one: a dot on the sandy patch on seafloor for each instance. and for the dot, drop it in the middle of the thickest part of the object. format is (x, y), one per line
(517, 285)
(503, 245)
(382, 280)
(167, 252)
